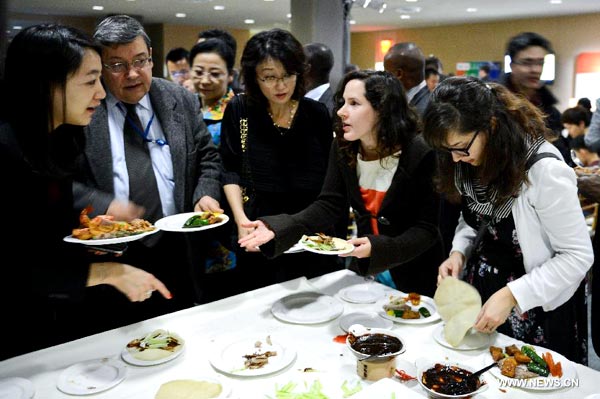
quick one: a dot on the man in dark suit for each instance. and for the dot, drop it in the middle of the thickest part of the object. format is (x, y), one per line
(407, 62)
(148, 154)
(320, 62)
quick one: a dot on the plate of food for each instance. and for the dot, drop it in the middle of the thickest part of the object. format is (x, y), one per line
(411, 308)
(16, 388)
(472, 340)
(156, 347)
(213, 387)
(190, 222)
(307, 308)
(104, 230)
(531, 367)
(251, 357)
(325, 245)
(91, 377)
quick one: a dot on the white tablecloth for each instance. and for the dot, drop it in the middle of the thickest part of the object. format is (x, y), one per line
(248, 315)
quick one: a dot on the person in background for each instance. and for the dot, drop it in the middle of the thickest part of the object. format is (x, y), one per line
(179, 68)
(350, 68)
(433, 62)
(381, 165)
(432, 77)
(274, 146)
(582, 152)
(592, 138)
(527, 51)
(585, 103)
(228, 38)
(41, 130)
(147, 154)
(576, 120)
(522, 239)
(320, 62)
(484, 72)
(407, 63)
(212, 67)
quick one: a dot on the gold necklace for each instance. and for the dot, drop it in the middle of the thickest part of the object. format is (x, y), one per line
(294, 105)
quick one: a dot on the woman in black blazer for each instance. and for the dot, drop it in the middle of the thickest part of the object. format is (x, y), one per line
(383, 168)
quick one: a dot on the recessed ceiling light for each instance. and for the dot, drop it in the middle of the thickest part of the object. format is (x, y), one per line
(17, 27)
(98, 8)
(130, 0)
(180, 15)
(288, 15)
(411, 1)
(269, 0)
(219, 8)
(471, 9)
(404, 16)
(248, 21)
(555, 1)
(352, 22)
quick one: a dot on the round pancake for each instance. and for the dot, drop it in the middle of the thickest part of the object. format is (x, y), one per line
(189, 389)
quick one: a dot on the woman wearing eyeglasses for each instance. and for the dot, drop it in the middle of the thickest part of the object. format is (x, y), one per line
(521, 239)
(41, 135)
(277, 154)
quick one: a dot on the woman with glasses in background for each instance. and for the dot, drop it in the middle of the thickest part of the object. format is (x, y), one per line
(274, 146)
(521, 239)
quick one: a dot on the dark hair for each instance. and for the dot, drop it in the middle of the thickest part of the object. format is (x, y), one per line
(397, 122)
(585, 103)
(320, 59)
(177, 54)
(216, 46)
(526, 39)
(431, 71)
(575, 115)
(120, 29)
(220, 34)
(578, 143)
(433, 62)
(279, 45)
(350, 68)
(28, 105)
(485, 68)
(465, 105)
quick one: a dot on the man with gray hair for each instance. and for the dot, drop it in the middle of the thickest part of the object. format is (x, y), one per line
(407, 62)
(148, 155)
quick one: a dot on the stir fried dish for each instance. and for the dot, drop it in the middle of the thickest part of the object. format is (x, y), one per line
(202, 219)
(401, 307)
(104, 226)
(525, 362)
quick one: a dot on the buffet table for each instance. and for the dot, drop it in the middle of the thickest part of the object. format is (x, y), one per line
(318, 356)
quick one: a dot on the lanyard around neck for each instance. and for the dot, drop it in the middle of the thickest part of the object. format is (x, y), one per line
(143, 134)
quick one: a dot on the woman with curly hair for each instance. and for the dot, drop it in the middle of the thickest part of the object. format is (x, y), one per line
(383, 168)
(521, 238)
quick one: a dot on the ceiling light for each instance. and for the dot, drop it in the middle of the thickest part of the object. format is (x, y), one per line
(352, 22)
(248, 21)
(366, 4)
(131, 0)
(411, 1)
(288, 15)
(219, 8)
(98, 8)
(382, 9)
(180, 15)
(404, 16)
(269, 0)
(17, 27)
(555, 1)
(471, 9)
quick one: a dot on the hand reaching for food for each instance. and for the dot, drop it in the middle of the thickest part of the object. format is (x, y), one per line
(495, 311)
(257, 234)
(451, 266)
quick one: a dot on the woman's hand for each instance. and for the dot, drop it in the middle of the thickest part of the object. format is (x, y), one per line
(137, 284)
(245, 227)
(208, 204)
(362, 248)
(451, 266)
(259, 234)
(495, 311)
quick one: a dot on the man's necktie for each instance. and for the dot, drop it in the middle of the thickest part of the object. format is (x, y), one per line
(142, 183)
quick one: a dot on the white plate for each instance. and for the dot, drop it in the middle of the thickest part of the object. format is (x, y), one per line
(425, 302)
(295, 248)
(540, 383)
(175, 223)
(229, 359)
(367, 320)
(126, 355)
(387, 388)
(472, 340)
(108, 241)
(91, 377)
(362, 293)
(215, 379)
(345, 246)
(307, 308)
(16, 388)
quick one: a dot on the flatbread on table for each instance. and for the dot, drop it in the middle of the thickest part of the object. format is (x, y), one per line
(189, 389)
(458, 304)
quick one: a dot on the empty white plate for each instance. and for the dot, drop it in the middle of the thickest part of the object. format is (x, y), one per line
(90, 377)
(473, 340)
(307, 308)
(362, 293)
(16, 388)
(366, 319)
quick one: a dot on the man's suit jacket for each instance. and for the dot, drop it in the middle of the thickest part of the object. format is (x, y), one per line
(421, 100)
(327, 99)
(196, 162)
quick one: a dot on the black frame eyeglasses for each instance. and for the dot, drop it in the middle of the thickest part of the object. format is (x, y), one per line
(271, 81)
(121, 67)
(462, 151)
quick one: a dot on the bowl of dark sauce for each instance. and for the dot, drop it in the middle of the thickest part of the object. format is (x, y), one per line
(374, 343)
(449, 380)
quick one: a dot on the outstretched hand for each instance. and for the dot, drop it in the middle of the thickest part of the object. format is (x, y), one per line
(495, 311)
(258, 234)
(451, 266)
